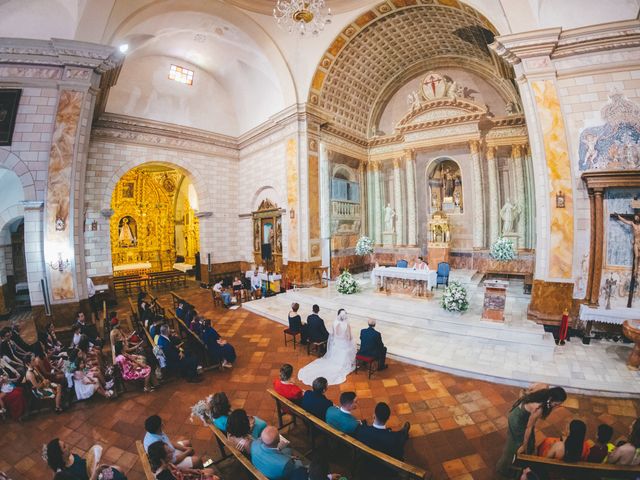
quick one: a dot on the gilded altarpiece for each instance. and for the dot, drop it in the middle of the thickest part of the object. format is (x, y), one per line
(145, 226)
(267, 236)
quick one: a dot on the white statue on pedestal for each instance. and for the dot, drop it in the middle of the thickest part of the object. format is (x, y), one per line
(389, 214)
(509, 215)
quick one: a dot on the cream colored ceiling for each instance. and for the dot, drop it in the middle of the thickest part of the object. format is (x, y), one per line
(266, 6)
(353, 76)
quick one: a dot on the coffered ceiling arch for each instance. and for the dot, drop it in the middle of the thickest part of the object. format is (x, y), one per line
(365, 61)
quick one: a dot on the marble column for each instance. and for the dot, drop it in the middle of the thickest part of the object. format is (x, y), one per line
(517, 154)
(397, 198)
(363, 212)
(478, 196)
(371, 226)
(411, 198)
(377, 206)
(494, 204)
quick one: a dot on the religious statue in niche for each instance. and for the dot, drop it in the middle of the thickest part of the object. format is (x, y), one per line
(509, 213)
(616, 144)
(435, 86)
(389, 215)
(127, 232)
(445, 185)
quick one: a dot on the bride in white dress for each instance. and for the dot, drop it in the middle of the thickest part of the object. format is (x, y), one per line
(339, 361)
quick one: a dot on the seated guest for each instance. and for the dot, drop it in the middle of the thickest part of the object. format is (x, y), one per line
(314, 401)
(273, 463)
(49, 341)
(602, 446)
(181, 311)
(219, 349)
(197, 324)
(237, 286)
(86, 384)
(318, 470)
(40, 386)
(58, 456)
(91, 355)
(10, 351)
(88, 329)
(420, 264)
(242, 430)
(12, 396)
(181, 453)
(571, 448)
(226, 296)
(164, 469)
(295, 323)
(256, 283)
(17, 339)
(177, 360)
(44, 366)
(132, 368)
(316, 330)
(117, 335)
(371, 344)
(381, 438)
(342, 418)
(285, 386)
(629, 452)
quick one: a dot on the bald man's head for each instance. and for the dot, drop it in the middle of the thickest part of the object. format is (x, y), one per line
(270, 437)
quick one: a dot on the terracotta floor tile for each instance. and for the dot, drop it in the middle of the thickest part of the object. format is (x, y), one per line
(454, 468)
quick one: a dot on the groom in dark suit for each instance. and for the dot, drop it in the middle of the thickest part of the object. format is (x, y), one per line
(371, 344)
(317, 332)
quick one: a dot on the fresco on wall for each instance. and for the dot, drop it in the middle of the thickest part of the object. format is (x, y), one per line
(614, 145)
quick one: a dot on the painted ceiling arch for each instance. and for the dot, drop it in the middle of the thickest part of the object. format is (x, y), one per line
(370, 55)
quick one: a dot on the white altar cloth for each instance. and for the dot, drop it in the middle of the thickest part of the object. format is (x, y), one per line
(429, 276)
(615, 315)
(183, 267)
(132, 266)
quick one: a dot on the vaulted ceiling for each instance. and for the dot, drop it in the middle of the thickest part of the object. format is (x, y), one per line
(359, 70)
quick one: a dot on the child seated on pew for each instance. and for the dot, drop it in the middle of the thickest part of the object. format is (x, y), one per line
(602, 446)
(570, 448)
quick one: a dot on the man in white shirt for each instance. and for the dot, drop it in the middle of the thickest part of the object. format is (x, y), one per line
(226, 296)
(256, 283)
(91, 293)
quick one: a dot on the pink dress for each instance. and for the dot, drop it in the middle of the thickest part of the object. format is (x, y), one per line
(130, 370)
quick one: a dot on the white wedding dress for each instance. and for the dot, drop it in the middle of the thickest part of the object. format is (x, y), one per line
(340, 359)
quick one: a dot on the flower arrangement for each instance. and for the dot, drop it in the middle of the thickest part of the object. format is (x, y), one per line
(346, 283)
(364, 246)
(455, 298)
(503, 250)
(201, 410)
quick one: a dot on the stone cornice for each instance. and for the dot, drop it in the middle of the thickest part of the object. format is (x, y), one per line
(61, 53)
(518, 46)
(157, 134)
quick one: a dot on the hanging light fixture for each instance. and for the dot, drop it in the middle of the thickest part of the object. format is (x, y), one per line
(302, 16)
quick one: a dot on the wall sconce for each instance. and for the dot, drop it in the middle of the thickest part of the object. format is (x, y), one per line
(560, 199)
(94, 226)
(292, 214)
(60, 264)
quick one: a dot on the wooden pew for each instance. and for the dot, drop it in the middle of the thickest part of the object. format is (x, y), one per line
(129, 282)
(223, 444)
(550, 468)
(404, 470)
(144, 460)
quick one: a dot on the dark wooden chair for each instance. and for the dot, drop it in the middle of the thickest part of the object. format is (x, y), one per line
(316, 347)
(290, 333)
(369, 362)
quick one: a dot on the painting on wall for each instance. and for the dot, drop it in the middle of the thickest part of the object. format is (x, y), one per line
(616, 144)
(9, 100)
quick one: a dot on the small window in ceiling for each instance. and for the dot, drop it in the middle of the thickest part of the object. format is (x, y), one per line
(181, 75)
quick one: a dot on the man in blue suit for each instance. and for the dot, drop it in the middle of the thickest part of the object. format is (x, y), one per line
(371, 344)
(176, 359)
(273, 463)
(381, 438)
(342, 418)
(314, 401)
(317, 332)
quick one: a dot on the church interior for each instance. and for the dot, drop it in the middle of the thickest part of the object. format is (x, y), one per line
(183, 179)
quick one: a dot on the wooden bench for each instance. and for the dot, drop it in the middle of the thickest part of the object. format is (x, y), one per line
(170, 278)
(223, 444)
(550, 468)
(129, 283)
(358, 449)
(144, 461)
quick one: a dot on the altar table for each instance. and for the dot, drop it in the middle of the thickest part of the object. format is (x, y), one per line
(615, 316)
(183, 267)
(131, 269)
(386, 278)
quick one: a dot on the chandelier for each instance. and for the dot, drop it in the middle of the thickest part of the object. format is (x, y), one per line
(303, 16)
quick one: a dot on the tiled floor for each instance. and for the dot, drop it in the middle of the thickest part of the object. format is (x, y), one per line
(458, 425)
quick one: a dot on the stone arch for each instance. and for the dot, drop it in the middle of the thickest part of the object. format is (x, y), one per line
(7, 217)
(347, 172)
(11, 161)
(263, 193)
(176, 162)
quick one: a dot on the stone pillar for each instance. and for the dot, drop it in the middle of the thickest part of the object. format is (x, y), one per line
(397, 198)
(363, 213)
(517, 154)
(478, 197)
(494, 204)
(377, 206)
(371, 223)
(411, 199)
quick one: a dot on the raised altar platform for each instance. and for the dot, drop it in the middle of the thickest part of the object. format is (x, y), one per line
(516, 352)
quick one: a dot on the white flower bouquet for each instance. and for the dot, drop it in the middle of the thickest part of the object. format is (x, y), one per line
(346, 284)
(364, 246)
(503, 250)
(201, 410)
(455, 298)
